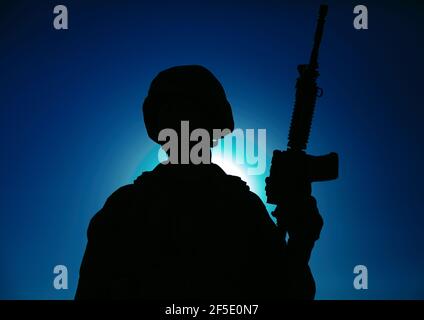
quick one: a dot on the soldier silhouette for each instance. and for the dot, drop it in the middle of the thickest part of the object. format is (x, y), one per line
(192, 231)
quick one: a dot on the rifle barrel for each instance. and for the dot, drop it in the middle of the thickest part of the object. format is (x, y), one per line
(313, 62)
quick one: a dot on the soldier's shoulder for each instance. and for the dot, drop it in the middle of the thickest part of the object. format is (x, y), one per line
(121, 193)
(116, 200)
(237, 183)
(241, 188)
(129, 191)
(123, 197)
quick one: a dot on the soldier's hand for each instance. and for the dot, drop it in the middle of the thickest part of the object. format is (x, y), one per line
(301, 219)
(288, 179)
(289, 187)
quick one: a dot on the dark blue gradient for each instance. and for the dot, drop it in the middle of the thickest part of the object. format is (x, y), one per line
(71, 129)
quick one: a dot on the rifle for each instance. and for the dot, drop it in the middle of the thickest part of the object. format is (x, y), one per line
(285, 165)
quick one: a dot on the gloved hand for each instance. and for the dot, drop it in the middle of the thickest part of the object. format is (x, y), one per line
(288, 179)
(289, 187)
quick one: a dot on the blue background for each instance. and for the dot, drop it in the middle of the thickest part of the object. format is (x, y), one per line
(71, 129)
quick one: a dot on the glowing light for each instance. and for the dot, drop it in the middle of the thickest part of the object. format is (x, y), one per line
(231, 167)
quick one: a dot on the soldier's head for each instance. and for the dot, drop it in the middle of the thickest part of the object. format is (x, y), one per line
(189, 96)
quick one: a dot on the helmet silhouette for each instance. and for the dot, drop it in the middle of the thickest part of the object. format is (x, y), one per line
(186, 93)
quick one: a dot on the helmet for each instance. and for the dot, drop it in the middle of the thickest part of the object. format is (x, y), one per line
(186, 93)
